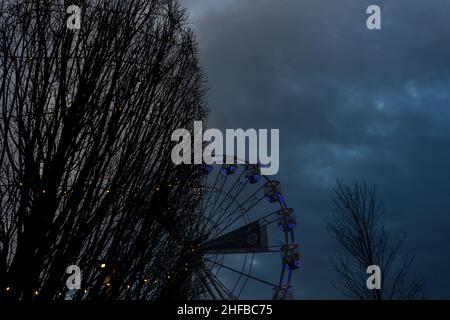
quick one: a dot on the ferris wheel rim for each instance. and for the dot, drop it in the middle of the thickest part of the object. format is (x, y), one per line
(285, 278)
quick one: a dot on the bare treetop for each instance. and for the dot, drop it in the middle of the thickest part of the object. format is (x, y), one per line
(85, 123)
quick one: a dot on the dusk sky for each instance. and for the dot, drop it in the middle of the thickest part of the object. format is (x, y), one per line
(350, 103)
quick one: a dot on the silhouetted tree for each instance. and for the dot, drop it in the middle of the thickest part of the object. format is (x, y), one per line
(85, 124)
(357, 228)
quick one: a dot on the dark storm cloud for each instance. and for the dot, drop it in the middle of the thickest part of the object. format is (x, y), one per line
(350, 103)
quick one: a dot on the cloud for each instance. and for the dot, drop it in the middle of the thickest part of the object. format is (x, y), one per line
(350, 103)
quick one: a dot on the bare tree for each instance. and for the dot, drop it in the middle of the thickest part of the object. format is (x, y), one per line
(357, 228)
(85, 124)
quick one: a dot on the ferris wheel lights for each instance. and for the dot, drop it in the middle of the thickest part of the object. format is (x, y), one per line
(273, 192)
(253, 174)
(290, 246)
(287, 224)
(253, 178)
(272, 184)
(293, 263)
(230, 169)
(285, 212)
(283, 287)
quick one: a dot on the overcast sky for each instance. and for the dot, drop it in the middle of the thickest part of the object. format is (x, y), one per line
(350, 103)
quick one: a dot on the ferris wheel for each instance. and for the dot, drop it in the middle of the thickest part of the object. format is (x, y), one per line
(246, 242)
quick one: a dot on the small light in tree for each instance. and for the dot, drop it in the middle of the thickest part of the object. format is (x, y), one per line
(85, 291)
(108, 284)
(145, 280)
(43, 190)
(103, 266)
(36, 293)
(128, 286)
(7, 289)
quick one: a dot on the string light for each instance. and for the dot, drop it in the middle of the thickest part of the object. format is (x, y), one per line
(7, 289)
(103, 266)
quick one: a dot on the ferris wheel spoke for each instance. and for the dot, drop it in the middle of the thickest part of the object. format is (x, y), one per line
(220, 288)
(209, 195)
(250, 238)
(219, 194)
(229, 193)
(246, 279)
(242, 269)
(233, 199)
(243, 273)
(242, 213)
(246, 210)
(237, 221)
(252, 196)
(204, 280)
(239, 206)
(240, 276)
(208, 204)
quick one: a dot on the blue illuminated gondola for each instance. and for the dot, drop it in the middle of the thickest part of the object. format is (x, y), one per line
(207, 169)
(272, 192)
(253, 174)
(291, 258)
(287, 224)
(229, 169)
